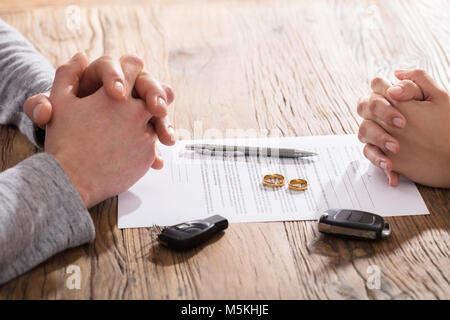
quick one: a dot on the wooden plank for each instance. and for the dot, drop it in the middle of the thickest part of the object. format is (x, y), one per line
(28, 5)
(266, 67)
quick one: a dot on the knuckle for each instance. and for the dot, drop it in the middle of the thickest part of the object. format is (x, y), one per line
(419, 72)
(378, 106)
(133, 59)
(366, 151)
(108, 66)
(408, 83)
(362, 132)
(151, 85)
(106, 58)
(40, 98)
(383, 106)
(372, 105)
(381, 140)
(359, 107)
(146, 80)
(81, 59)
(360, 137)
(369, 152)
(45, 99)
(28, 103)
(145, 74)
(62, 69)
(168, 88)
(79, 55)
(169, 92)
(33, 98)
(376, 81)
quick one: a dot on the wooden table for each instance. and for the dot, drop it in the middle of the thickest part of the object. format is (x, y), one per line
(295, 66)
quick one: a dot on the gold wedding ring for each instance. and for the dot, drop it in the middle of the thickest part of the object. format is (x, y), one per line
(273, 180)
(298, 184)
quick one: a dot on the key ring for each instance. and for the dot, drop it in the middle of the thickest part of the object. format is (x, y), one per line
(268, 180)
(298, 184)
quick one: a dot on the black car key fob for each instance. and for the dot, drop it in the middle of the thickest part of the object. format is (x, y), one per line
(190, 234)
(354, 224)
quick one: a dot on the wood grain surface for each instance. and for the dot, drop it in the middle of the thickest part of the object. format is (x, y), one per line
(292, 67)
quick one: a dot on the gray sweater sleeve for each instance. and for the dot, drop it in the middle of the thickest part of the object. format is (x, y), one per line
(41, 212)
(23, 73)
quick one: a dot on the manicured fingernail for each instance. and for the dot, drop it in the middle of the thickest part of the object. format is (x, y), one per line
(391, 146)
(398, 122)
(161, 102)
(36, 111)
(395, 90)
(119, 87)
(383, 165)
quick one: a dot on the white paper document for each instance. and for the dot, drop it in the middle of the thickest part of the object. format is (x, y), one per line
(194, 186)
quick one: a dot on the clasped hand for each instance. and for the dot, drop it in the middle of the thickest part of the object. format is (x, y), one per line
(102, 122)
(406, 128)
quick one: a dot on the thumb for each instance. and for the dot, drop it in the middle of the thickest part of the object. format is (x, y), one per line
(39, 109)
(429, 87)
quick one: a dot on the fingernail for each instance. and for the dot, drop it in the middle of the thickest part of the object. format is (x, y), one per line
(391, 146)
(161, 102)
(119, 87)
(395, 90)
(36, 111)
(398, 122)
(383, 165)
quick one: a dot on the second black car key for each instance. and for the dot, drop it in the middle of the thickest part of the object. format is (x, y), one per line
(354, 224)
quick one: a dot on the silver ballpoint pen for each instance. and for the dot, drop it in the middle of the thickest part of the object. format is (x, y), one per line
(211, 149)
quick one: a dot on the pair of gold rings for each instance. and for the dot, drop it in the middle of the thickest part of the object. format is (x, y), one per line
(277, 180)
